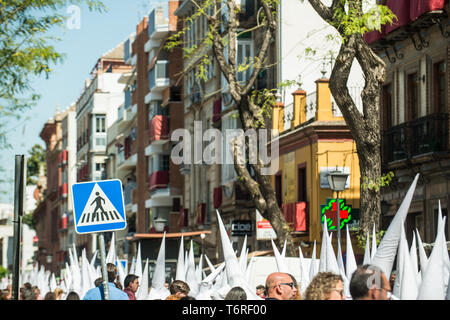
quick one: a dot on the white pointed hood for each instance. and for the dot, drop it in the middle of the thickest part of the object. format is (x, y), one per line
(408, 284)
(210, 265)
(143, 287)
(444, 251)
(283, 252)
(52, 283)
(340, 260)
(413, 255)
(199, 269)
(332, 265)
(86, 283)
(423, 259)
(191, 278)
(133, 266)
(94, 256)
(138, 266)
(249, 270)
(323, 248)
(206, 286)
(281, 262)
(432, 286)
(243, 256)
(304, 277)
(312, 267)
(350, 260)
(121, 272)
(158, 290)
(367, 250)
(374, 243)
(111, 256)
(447, 296)
(180, 273)
(385, 256)
(234, 272)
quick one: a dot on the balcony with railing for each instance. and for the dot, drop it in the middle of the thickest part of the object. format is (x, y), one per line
(158, 180)
(413, 17)
(415, 139)
(159, 76)
(98, 142)
(158, 22)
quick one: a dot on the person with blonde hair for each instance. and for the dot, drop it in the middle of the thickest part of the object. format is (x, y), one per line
(58, 293)
(325, 286)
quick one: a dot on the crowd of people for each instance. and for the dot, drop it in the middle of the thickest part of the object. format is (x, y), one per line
(367, 283)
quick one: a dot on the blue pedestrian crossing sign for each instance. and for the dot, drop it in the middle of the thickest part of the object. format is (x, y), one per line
(98, 206)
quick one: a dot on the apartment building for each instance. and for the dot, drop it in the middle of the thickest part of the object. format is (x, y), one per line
(415, 108)
(96, 111)
(53, 214)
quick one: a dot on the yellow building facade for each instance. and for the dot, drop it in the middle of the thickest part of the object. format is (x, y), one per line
(307, 152)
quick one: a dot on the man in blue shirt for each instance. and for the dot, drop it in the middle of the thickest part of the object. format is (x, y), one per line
(97, 293)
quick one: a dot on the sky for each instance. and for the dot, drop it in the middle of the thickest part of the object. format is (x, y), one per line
(97, 34)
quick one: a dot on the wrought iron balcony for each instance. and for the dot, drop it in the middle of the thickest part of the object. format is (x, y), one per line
(422, 136)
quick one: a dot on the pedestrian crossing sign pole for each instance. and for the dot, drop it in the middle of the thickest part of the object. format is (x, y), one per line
(98, 207)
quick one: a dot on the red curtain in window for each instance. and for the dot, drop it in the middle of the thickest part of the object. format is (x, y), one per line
(401, 9)
(217, 197)
(419, 7)
(289, 212)
(301, 213)
(159, 128)
(127, 148)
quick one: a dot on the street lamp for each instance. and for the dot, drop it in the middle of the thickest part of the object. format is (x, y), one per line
(337, 180)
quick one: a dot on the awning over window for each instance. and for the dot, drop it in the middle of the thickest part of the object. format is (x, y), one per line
(401, 9)
(420, 7)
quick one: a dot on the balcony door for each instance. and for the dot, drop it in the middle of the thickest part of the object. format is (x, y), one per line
(440, 87)
(413, 97)
(278, 188)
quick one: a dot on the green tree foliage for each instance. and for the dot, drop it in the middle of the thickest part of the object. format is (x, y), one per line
(3, 272)
(36, 158)
(28, 219)
(26, 51)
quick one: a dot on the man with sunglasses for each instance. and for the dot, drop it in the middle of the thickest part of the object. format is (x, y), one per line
(370, 283)
(280, 286)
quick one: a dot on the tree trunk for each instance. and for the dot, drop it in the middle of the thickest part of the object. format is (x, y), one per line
(260, 187)
(364, 127)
